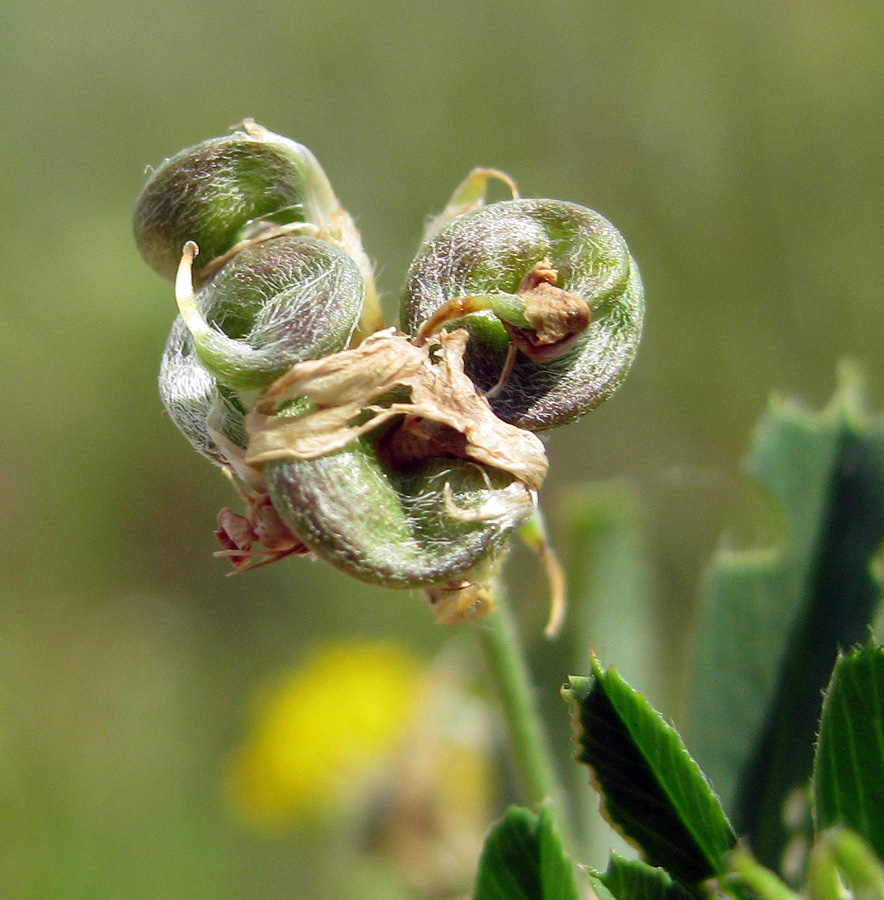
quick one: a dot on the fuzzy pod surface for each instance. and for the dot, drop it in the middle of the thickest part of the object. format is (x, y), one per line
(222, 191)
(273, 304)
(491, 250)
(193, 397)
(394, 527)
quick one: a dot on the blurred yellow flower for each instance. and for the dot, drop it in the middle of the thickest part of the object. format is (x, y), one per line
(321, 735)
(399, 745)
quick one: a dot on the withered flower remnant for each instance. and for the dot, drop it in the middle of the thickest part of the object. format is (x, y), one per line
(428, 480)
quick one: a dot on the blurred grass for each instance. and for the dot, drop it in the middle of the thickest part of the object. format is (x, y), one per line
(736, 145)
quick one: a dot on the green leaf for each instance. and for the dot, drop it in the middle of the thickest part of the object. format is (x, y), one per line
(523, 859)
(652, 791)
(599, 888)
(773, 620)
(848, 781)
(631, 879)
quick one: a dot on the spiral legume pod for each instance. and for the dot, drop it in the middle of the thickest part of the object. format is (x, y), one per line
(403, 459)
(393, 526)
(226, 190)
(192, 396)
(488, 254)
(273, 304)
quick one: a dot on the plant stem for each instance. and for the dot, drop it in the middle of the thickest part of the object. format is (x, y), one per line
(533, 762)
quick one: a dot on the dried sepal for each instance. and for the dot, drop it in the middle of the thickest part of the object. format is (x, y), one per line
(260, 536)
(542, 320)
(345, 391)
(533, 534)
(556, 319)
(256, 539)
(469, 195)
(465, 598)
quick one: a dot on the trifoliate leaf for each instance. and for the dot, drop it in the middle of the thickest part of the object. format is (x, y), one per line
(523, 859)
(773, 620)
(848, 781)
(652, 790)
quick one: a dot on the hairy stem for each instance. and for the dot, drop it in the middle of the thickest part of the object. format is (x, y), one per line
(535, 769)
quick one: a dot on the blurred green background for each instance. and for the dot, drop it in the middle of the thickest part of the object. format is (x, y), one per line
(737, 145)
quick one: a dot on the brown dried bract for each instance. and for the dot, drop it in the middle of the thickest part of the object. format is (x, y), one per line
(238, 535)
(556, 317)
(355, 391)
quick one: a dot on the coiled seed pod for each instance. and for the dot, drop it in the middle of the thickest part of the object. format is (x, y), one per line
(404, 461)
(274, 303)
(552, 279)
(226, 190)
(400, 527)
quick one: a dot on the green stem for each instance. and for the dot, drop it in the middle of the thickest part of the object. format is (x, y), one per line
(505, 657)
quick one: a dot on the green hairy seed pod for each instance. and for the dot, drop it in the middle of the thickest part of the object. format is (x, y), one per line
(226, 190)
(274, 303)
(395, 526)
(481, 268)
(193, 398)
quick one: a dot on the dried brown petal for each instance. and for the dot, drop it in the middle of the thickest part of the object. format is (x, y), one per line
(460, 600)
(348, 390)
(238, 535)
